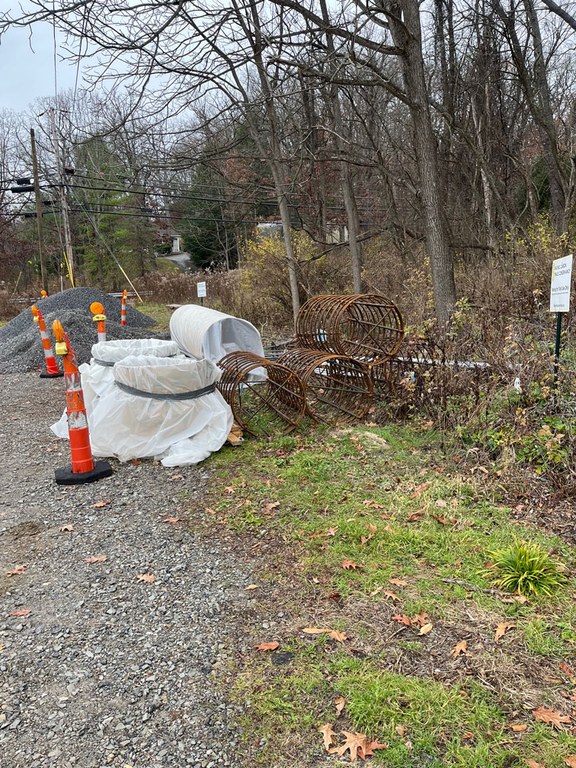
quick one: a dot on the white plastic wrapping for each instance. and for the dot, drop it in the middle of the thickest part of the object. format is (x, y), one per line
(207, 333)
(129, 425)
(98, 377)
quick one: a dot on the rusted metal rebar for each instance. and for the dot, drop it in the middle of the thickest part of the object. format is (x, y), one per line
(262, 394)
(338, 387)
(368, 327)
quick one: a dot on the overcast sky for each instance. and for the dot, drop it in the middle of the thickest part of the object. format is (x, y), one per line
(27, 67)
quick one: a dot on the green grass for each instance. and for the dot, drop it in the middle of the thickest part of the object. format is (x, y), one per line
(393, 501)
(159, 312)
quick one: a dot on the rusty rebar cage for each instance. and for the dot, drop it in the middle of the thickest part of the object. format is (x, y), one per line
(264, 396)
(366, 326)
(415, 363)
(338, 387)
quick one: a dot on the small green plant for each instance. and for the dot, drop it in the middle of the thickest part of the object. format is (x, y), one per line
(527, 569)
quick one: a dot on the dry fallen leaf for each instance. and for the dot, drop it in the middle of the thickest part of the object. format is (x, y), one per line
(570, 761)
(420, 619)
(372, 504)
(533, 764)
(415, 516)
(95, 559)
(425, 629)
(442, 503)
(340, 702)
(21, 612)
(398, 582)
(16, 571)
(419, 490)
(271, 506)
(368, 748)
(328, 735)
(502, 628)
(66, 528)
(333, 633)
(251, 586)
(459, 648)
(518, 727)
(171, 520)
(177, 477)
(350, 565)
(547, 715)
(267, 646)
(147, 578)
(99, 504)
(402, 619)
(392, 595)
(400, 730)
(353, 742)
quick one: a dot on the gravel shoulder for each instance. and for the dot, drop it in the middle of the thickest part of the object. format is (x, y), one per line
(109, 669)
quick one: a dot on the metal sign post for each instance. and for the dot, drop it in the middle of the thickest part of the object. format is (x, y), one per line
(560, 301)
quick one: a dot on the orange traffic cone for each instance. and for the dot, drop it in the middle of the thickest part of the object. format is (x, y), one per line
(97, 310)
(84, 469)
(43, 294)
(123, 309)
(52, 371)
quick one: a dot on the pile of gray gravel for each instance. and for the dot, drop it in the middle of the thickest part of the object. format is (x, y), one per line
(20, 343)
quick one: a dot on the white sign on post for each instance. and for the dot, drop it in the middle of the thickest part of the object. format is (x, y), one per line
(201, 290)
(560, 285)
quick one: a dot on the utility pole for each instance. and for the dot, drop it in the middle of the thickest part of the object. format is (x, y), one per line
(43, 274)
(63, 199)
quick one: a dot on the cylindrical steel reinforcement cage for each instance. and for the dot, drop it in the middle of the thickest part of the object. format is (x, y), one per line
(366, 326)
(338, 387)
(263, 395)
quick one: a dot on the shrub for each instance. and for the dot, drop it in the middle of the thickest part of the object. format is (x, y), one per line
(527, 569)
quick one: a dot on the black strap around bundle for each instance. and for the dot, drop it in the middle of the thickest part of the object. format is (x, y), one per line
(104, 362)
(175, 396)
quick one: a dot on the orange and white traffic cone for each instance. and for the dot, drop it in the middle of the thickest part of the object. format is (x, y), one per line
(43, 294)
(97, 310)
(123, 309)
(84, 469)
(52, 371)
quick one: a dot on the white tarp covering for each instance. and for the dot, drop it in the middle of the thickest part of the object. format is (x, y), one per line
(128, 423)
(207, 333)
(98, 377)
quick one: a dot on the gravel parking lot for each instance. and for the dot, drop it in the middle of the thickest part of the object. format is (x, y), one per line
(118, 661)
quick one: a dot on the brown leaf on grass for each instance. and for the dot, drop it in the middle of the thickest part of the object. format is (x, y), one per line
(267, 646)
(372, 504)
(400, 730)
(333, 596)
(392, 595)
(147, 578)
(66, 528)
(415, 516)
(100, 504)
(21, 612)
(353, 742)
(459, 648)
(328, 735)
(551, 716)
(272, 505)
(502, 628)
(425, 629)
(402, 619)
(420, 619)
(368, 748)
(350, 565)
(398, 582)
(171, 520)
(570, 761)
(518, 727)
(445, 520)
(333, 633)
(16, 571)
(95, 559)
(534, 764)
(442, 503)
(419, 490)
(340, 702)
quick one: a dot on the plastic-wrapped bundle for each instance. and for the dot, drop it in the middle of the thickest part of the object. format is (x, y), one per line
(205, 333)
(97, 377)
(166, 408)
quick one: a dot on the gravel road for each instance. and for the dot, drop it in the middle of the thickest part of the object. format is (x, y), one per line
(99, 667)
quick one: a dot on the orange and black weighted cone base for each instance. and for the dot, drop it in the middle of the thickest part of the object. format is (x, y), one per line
(46, 375)
(65, 475)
